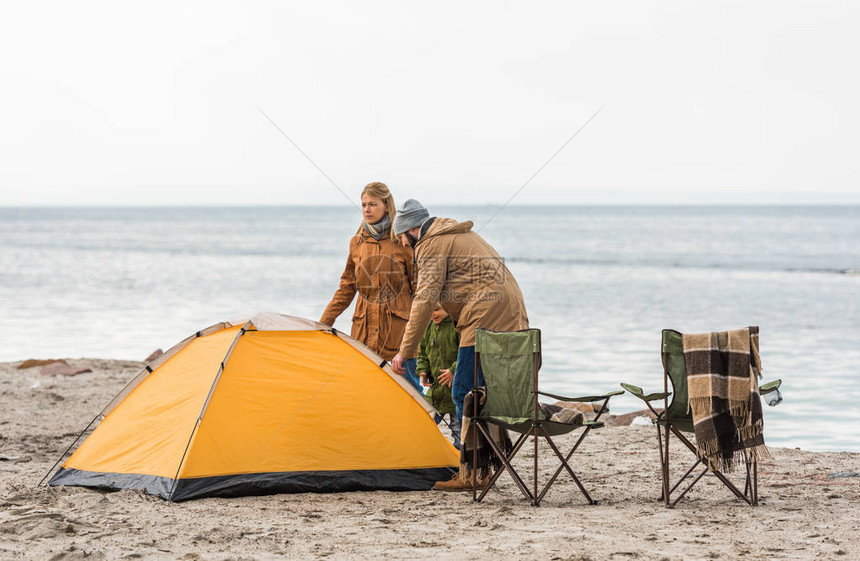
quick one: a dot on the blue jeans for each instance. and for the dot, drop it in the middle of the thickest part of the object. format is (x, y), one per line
(454, 425)
(412, 376)
(464, 378)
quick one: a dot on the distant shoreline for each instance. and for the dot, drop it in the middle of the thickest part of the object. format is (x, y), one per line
(136, 366)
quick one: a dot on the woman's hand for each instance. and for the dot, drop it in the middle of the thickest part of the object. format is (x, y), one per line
(424, 381)
(445, 377)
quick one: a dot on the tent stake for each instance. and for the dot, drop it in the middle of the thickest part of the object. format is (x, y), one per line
(63, 455)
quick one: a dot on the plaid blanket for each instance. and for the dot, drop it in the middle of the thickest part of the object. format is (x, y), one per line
(487, 458)
(722, 383)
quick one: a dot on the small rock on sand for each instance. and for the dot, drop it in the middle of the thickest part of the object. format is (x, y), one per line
(64, 369)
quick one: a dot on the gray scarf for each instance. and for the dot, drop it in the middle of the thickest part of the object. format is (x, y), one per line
(378, 230)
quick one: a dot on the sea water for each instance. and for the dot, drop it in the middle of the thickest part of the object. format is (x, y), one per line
(600, 282)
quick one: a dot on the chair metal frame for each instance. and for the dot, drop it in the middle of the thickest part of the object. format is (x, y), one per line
(536, 430)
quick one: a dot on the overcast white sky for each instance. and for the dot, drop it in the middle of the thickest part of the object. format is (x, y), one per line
(155, 103)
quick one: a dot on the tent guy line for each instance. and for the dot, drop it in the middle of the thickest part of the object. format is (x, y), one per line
(501, 208)
(540, 169)
(308, 158)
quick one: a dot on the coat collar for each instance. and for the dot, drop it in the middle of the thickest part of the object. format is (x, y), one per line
(442, 226)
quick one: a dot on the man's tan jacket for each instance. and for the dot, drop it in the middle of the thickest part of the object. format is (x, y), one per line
(459, 269)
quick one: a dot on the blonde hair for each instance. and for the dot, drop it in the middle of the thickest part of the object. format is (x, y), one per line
(379, 190)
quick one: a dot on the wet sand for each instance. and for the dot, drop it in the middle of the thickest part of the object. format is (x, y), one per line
(808, 510)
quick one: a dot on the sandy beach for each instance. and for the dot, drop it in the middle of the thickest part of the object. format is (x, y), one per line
(809, 508)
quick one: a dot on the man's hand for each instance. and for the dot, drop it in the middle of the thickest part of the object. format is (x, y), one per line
(445, 377)
(424, 381)
(398, 364)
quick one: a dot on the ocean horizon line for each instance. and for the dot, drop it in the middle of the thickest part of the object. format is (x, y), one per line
(444, 205)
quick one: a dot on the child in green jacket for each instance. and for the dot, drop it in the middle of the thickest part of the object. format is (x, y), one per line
(437, 361)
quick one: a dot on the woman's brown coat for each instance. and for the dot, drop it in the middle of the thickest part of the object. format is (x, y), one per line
(381, 273)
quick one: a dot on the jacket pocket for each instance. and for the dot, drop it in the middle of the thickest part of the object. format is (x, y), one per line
(400, 315)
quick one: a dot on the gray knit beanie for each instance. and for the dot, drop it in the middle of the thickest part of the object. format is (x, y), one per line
(411, 215)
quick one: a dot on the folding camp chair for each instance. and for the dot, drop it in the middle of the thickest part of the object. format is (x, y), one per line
(676, 419)
(510, 363)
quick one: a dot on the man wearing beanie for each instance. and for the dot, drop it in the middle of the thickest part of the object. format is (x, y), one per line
(408, 218)
(459, 269)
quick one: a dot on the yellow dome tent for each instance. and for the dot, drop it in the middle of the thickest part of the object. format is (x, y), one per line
(273, 404)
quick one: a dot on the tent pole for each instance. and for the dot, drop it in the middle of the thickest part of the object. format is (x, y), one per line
(63, 455)
(176, 477)
(242, 331)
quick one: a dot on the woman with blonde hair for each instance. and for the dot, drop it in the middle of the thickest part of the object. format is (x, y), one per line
(379, 269)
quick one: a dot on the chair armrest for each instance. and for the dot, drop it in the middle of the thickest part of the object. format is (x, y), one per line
(636, 391)
(769, 387)
(585, 398)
